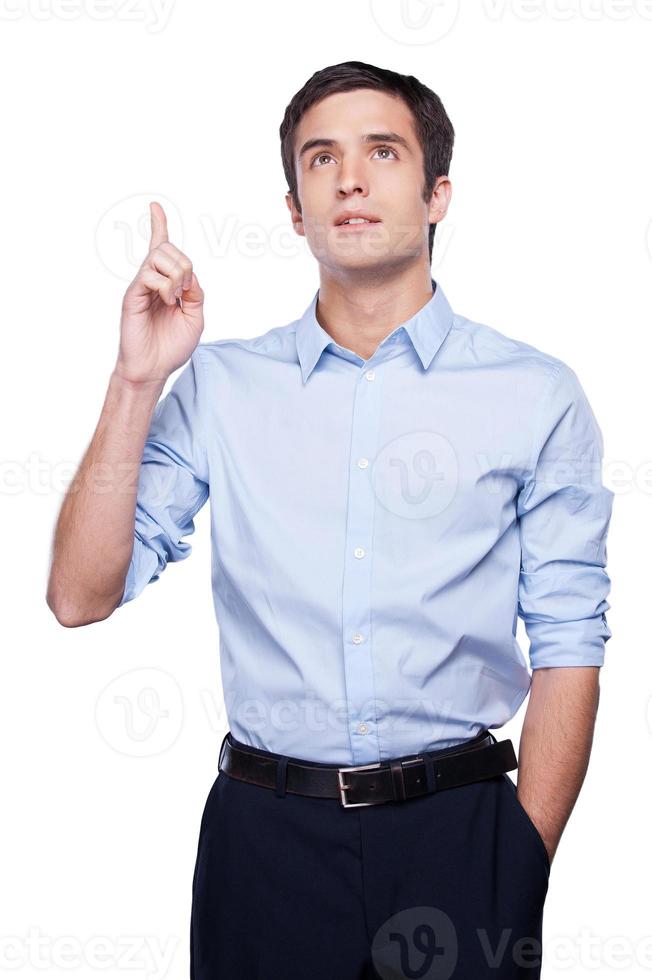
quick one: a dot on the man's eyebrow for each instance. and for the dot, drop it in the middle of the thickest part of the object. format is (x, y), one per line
(367, 138)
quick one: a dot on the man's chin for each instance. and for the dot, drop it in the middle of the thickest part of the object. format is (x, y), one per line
(362, 270)
(357, 259)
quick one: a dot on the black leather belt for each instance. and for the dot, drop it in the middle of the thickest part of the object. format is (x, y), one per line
(397, 779)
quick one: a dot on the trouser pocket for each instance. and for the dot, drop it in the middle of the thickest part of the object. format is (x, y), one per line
(526, 821)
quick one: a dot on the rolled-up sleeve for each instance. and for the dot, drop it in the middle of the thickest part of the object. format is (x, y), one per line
(172, 483)
(564, 511)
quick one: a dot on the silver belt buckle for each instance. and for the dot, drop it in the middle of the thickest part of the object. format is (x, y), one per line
(343, 787)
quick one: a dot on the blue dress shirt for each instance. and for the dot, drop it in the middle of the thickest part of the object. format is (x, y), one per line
(378, 526)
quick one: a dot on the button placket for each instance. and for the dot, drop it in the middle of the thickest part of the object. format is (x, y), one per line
(356, 593)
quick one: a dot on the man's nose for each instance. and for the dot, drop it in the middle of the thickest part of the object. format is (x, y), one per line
(352, 179)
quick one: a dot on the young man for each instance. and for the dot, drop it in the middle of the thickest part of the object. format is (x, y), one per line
(391, 485)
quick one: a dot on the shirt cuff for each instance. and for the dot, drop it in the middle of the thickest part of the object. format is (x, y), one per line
(143, 569)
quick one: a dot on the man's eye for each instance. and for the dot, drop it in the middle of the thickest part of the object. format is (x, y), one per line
(387, 148)
(319, 157)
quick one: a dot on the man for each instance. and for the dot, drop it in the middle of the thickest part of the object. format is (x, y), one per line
(391, 485)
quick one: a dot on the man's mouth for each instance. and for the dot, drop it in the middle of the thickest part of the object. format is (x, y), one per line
(356, 218)
(359, 221)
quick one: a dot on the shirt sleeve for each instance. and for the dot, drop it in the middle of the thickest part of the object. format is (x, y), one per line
(172, 482)
(564, 512)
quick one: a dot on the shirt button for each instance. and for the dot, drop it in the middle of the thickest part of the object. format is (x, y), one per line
(362, 728)
(359, 552)
(363, 463)
(370, 375)
(357, 637)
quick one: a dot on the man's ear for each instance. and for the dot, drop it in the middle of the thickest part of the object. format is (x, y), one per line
(439, 200)
(295, 215)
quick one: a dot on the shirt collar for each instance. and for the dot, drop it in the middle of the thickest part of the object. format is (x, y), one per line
(426, 330)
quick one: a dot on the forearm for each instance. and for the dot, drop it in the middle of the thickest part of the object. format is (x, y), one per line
(93, 538)
(556, 745)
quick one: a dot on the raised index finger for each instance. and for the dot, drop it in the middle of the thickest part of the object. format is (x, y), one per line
(159, 225)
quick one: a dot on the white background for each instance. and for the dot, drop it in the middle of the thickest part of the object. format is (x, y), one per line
(548, 239)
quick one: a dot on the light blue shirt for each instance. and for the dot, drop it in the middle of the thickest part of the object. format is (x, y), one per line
(378, 526)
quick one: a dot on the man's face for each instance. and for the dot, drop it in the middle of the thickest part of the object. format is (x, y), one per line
(347, 171)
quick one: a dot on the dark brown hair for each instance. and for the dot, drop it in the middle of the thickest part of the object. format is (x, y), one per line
(433, 127)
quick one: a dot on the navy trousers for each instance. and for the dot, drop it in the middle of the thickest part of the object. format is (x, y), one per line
(448, 885)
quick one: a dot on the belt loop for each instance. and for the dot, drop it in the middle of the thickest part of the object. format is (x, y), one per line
(398, 782)
(281, 775)
(492, 737)
(431, 784)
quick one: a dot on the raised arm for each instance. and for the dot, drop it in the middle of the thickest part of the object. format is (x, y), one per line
(161, 324)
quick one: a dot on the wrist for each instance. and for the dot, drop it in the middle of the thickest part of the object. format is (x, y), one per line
(143, 388)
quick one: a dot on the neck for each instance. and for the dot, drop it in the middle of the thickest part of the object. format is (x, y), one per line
(359, 313)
